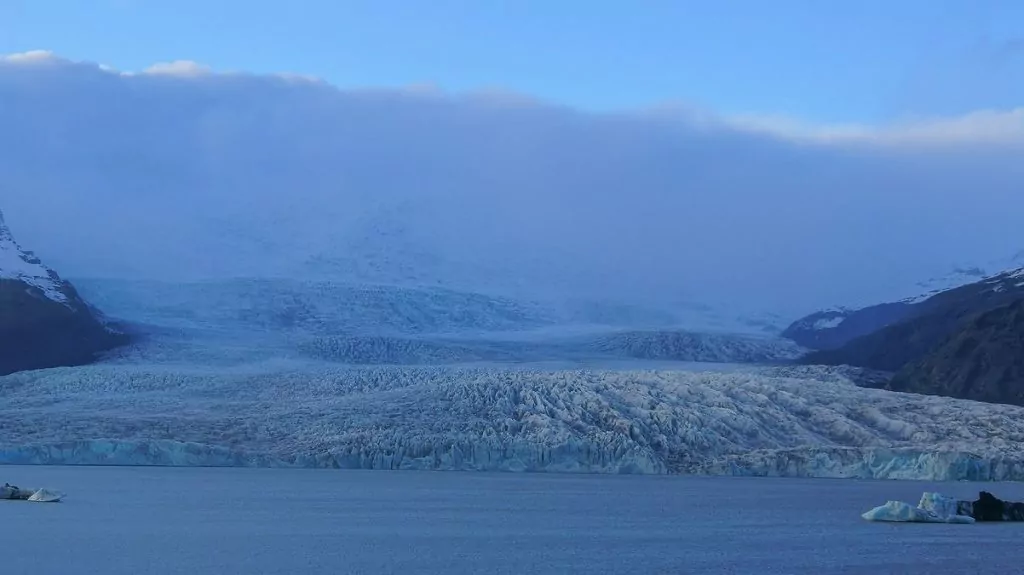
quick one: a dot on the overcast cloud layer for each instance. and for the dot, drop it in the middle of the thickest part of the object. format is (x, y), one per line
(180, 172)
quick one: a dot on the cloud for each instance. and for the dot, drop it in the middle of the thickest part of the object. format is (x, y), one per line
(178, 68)
(215, 174)
(31, 57)
(979, 127)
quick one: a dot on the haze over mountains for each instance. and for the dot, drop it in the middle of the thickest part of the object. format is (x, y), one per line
(181, 173)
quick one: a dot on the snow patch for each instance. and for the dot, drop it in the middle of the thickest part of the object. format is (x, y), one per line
(829, 323)
(19, 265)
(993, 271)
(822, 320)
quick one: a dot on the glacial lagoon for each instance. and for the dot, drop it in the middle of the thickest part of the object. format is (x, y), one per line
(198, 521)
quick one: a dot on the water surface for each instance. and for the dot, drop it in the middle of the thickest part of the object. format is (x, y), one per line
(260, 521)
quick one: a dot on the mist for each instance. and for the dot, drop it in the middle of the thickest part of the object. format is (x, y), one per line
(181, 173)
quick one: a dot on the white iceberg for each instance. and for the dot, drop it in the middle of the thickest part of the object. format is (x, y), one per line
(933, 508)
(45, 496)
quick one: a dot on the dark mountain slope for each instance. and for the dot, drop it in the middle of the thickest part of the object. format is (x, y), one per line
(832, 329)
(43, 321)
(983, 360)
(925, 326)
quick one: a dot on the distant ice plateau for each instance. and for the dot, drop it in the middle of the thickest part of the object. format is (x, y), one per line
(801, 422)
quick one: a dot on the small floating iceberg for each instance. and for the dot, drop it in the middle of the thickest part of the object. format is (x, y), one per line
(8, 491)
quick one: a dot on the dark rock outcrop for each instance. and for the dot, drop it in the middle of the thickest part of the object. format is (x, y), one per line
(43, 321)
(8, 491)
(982, 360)
(988, 507)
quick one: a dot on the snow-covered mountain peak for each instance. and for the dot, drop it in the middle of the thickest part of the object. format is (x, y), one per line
(966, 274)
(5, 234)
(20, 265)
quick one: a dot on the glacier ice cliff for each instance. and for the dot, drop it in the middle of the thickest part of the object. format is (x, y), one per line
(291, 413)
(947, 464)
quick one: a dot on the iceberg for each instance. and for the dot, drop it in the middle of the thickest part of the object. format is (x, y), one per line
(900, 512)
(933, 508)
(937, 508)
(12, 492)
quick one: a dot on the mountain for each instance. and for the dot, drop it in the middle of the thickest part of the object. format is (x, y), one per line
(833, 328)
(43, 321)
(983, 361)
(913, 330)
(964, 274)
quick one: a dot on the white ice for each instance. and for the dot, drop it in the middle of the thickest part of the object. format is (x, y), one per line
(300, 413)
(933, 508)
(46, 496)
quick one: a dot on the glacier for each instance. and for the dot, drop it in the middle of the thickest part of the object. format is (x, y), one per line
(300, 413)
(348, 323)
(290, 373)
(339, 306)
(654, 345)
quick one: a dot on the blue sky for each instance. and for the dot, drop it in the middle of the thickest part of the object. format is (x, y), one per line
(869, 61)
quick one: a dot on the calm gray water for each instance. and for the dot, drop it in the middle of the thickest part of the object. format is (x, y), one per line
(224, 521)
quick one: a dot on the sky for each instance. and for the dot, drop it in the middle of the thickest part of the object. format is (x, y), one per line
(870, 61)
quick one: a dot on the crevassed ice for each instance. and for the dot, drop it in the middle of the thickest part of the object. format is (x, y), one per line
(308, 414)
